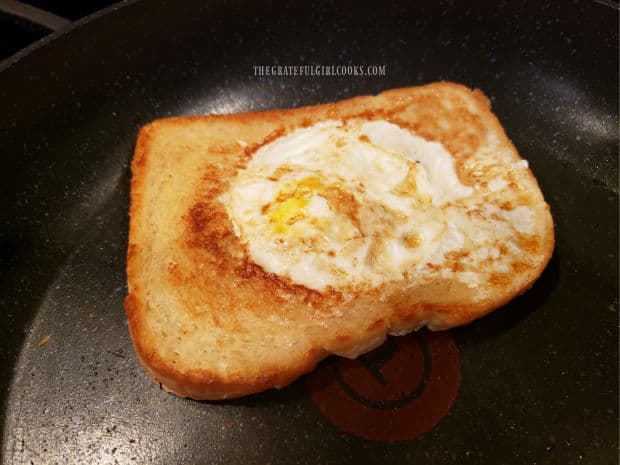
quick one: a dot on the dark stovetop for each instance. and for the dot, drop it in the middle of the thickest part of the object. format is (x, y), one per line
(24, 22)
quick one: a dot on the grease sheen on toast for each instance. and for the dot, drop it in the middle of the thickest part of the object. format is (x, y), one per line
(208, 322)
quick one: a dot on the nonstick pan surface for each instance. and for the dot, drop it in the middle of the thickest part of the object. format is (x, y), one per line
(535, 382)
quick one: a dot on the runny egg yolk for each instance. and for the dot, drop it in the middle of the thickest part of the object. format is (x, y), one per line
(291, 202)
(286, 213)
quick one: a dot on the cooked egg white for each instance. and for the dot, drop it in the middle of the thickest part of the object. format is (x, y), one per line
(340, 205)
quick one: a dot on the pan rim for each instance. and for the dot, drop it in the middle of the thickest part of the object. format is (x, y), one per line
(20, 55)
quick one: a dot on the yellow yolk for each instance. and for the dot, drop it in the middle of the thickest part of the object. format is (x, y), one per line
(286, 213)
(291, 202)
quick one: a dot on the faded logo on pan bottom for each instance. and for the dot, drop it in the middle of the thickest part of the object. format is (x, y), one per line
(396, 392)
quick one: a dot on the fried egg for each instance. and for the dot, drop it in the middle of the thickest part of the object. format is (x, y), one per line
(345, 205)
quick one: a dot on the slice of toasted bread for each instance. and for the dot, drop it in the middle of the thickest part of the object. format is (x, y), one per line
(209, 322)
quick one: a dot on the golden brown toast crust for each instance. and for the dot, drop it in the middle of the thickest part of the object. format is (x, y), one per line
(207, 323)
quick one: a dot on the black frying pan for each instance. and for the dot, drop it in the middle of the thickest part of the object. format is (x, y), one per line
(535, 382)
